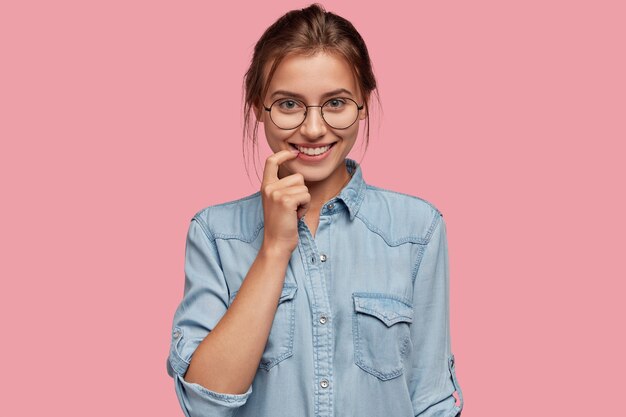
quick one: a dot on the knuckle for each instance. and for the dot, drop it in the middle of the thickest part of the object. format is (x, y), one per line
(270, 162)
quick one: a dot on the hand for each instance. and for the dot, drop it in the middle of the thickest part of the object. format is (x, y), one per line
(285, 201)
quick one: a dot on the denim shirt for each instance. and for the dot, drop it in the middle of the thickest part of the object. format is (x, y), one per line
(362, 323)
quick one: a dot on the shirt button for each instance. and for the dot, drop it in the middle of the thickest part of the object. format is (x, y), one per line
(323, 257)
(176, 334)
(330, 206)
(324, 383)
(323, 319)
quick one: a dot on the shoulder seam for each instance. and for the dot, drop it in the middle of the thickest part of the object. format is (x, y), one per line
(204, 227)
(437, 219)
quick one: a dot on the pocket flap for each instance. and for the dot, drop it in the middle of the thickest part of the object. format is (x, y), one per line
(388, 308)
(289, 291)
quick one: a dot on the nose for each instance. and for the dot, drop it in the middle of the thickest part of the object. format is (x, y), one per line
(314, 125)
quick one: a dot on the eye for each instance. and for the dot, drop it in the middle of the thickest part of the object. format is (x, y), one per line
(289, 105)
(335, 103)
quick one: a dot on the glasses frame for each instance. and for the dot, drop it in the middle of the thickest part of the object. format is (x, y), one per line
(306, 111)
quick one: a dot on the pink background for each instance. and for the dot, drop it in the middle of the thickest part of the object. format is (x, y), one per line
(120, 119)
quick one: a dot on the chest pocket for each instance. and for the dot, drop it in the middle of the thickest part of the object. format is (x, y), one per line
(279, 344)
(381, 333)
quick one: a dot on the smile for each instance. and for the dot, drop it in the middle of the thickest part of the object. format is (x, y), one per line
(313, 151)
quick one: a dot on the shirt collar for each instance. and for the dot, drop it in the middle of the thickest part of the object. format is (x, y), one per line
(353, 192)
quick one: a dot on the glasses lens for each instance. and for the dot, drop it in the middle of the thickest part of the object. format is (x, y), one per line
(287, 113)
(340, 113)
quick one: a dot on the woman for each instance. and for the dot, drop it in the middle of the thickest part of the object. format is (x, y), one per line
(319, 295)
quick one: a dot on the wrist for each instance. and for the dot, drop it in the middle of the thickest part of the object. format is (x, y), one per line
(275, 252)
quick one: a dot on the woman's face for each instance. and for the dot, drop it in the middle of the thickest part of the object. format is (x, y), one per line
(310, 79)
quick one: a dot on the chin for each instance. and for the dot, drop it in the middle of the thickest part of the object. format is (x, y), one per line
(315, 179)
(314, 174)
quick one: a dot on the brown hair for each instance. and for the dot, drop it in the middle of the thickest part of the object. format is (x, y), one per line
(305, 32)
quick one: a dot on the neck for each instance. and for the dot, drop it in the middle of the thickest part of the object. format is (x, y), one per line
(322, 191)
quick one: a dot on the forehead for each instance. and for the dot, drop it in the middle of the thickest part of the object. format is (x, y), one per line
(312, 76)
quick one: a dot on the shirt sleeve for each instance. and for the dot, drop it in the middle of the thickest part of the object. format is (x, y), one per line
(433, 380)
(205, 300)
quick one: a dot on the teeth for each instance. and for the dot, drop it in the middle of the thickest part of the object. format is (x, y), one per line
(313, 151)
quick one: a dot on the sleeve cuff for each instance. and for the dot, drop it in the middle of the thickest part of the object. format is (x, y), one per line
(197, 400)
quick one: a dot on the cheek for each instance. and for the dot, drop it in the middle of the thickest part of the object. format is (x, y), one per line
(351, 133)
(275, 137)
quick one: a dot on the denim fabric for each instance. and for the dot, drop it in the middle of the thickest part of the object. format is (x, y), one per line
(362, 324)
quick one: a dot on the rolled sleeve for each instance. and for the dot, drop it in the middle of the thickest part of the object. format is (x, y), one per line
(199, 401)
(433, 380)
(204, 303)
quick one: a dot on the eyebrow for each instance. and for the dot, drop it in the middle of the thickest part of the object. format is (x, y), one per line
(301, 97)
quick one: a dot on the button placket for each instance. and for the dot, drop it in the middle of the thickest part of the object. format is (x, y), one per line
(323, 337)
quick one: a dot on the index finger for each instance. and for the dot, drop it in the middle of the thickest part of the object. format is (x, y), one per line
(270, 172)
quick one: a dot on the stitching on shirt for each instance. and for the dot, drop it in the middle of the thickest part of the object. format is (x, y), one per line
(437, 220)
(216, 253)
(214, 235)
(229, 398)
(205, 228)
(360, 196)
(400, 241)
(389, 320)
(210, 237)
(239, 237)
(360, 359)
(378, 295)
(331, 313)
(371, 227)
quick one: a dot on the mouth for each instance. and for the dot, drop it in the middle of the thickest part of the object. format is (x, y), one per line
(313, 151)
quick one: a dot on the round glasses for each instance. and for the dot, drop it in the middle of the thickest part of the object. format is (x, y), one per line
(338, 112)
